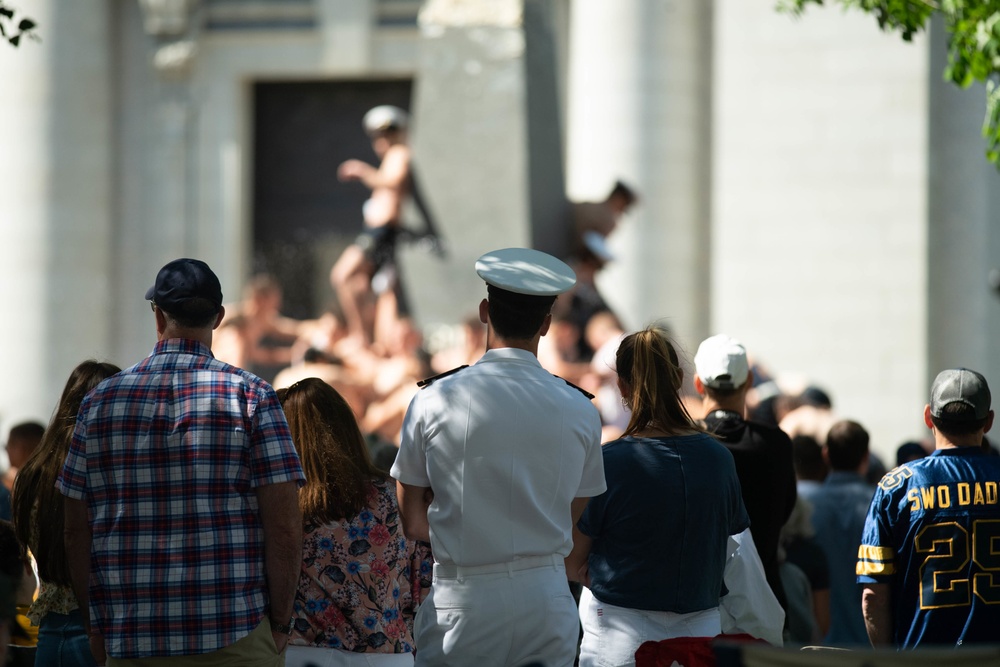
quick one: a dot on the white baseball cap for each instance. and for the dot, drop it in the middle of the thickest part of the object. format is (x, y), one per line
(385, 117)
(525, 271)
(721, 362)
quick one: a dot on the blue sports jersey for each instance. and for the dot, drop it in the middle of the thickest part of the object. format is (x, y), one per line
(933, 534)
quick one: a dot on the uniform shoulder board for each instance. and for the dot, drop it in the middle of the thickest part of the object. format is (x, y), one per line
(429, 381)
(579, 389)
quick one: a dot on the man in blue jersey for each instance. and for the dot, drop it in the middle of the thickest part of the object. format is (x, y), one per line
(929, 558)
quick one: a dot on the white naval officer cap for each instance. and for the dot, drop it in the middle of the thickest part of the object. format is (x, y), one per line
(525, 271)
(385, 117)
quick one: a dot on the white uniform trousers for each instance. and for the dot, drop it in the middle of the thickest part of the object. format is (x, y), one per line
(612, 635)
(314, 656)
(503, 615)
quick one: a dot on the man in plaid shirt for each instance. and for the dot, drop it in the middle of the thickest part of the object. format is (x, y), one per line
(181, 490)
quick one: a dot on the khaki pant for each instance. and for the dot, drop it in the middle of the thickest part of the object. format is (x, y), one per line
(257, 649)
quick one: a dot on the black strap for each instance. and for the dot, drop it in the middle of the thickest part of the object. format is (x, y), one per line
(426, 382)
(579, 389)
(429, 236)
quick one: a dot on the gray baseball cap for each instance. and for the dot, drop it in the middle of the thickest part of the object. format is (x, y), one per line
(960, 385)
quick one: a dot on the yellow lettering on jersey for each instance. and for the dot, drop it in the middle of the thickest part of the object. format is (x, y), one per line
(978, 498)
(991, 493)
(964, 496)
(943, 497)
(913, 495)
(927, 493)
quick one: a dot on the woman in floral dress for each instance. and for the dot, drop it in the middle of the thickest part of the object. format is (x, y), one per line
(361, 579)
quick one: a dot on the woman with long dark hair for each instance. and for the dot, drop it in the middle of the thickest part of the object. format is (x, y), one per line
(354, 604)
(652, 549)
(39, 520)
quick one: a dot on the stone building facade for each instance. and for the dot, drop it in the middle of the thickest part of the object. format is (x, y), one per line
(811, 187)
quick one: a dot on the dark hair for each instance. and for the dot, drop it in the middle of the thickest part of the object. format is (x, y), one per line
(517, 316)
(958, 419)
(623, 191)
(909, 451)
(393, 133)
(816, 397)
(807, 457)
(35, 484)
(27, 430)
(196, 313)
(846, 445)
(720, 394)
(334, 454)
(649, 365)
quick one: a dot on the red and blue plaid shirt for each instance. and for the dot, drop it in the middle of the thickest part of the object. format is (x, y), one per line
(167, 455)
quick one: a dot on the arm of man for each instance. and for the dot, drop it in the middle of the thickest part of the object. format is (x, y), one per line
(282, 524)
(77, 536)
(875, 601)
(413, 504)
(393, 172)
(576, 562)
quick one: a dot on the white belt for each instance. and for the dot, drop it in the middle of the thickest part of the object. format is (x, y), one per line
(450, 571)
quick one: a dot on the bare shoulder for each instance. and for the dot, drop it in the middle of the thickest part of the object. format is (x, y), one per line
(397, 153)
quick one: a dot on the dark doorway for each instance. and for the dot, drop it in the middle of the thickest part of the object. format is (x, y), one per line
(302, 215)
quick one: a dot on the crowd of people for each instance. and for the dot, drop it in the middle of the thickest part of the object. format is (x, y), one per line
(182, 509)
(549, 490)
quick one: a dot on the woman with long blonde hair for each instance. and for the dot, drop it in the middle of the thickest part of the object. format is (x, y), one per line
(39, 520)
(652, 549)
(354, 603)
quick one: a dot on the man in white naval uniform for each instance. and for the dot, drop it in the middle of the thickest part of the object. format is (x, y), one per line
(496, 464)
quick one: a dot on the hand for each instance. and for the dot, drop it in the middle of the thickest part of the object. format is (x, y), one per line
(584, 574)
(97, 647)
(352, 170)
(280, 641)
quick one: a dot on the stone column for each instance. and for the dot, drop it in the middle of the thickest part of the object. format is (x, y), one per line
(963, 229)
(820, 206)
(56, 226)
(486, 143)
(639, 110)
(159, 184)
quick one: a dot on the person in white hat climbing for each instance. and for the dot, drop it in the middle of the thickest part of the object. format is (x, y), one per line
(374, 249)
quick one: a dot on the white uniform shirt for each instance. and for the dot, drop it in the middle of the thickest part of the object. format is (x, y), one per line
(505, 446)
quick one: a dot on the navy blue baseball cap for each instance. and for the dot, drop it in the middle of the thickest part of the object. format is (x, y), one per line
(184, 279)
